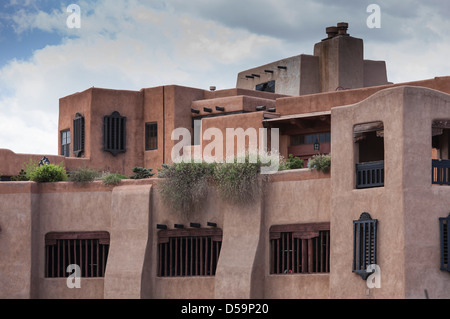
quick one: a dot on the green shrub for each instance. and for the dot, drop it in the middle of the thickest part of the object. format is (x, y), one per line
(112, 179)
(22, 176)
(291, 163)
(185, 185)
(141, 173)
(238, 183)
(320, 162)
(48, 173)
(83, 175)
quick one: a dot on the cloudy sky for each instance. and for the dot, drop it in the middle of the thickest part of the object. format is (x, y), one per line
(133, 44)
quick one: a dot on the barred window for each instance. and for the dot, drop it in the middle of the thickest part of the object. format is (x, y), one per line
(151, 136)
(114, 133)
(445, 241)
(88, 250)
(188, 252)
(300, 248)
(364, 244)
(65, 143)
(78, 135)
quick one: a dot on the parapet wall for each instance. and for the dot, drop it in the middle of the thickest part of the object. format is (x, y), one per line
(130, 213)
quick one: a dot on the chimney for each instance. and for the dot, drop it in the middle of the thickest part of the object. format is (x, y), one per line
(331, 32)
(342, 28)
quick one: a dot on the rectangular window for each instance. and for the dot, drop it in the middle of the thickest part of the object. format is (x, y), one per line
(151, 136)
(310, 138)
(445, 241)
(364, 244)
(300, 248)
(88, 250)
(78, 135)
(188, 252)
(65, 143)
(266, 87)
(114, 133)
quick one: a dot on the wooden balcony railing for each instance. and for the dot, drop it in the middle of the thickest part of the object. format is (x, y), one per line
(370, 174)
(440, 172)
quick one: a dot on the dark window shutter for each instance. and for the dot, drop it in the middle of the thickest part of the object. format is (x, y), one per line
(78, 135)
(364, 244)
(445, 241)
(114, 133)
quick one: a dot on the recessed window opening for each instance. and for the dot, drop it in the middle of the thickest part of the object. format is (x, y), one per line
(266, 87)
(65, 143)
(440, 152)
(300, 248)
(188, 252)
(151, 136)
(369, 154)
(88, 250)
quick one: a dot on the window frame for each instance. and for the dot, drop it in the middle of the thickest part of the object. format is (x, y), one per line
(310, 236)
(188, 262)
(65, 147)
(151, 136)
(55, 253)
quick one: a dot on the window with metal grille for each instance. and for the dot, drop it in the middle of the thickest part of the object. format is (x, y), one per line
(114, 133)
(78, 135)
(300, 248)
(65, 143)
(364, 244)
(151, 136)
(445, 241)
(188, 252)
(88, 250)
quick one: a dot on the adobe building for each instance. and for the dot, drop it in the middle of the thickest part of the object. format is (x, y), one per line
(376, 226)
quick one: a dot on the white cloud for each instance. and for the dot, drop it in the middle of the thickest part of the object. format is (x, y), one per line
(135, 44)
(126, 46)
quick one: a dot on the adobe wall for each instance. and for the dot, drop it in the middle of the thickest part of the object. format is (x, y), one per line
(326, 101)
(386, 204)
(130, 213)
(293, 197)
(287, 81)
(407, 207)
(424, 203)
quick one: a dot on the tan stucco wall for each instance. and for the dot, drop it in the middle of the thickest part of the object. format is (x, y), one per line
(407, 207)
(294, 197)
(424, 203)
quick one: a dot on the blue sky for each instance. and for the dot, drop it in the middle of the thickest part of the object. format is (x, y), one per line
(132, 44)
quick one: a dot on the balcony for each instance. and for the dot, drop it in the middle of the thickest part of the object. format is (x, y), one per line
(370, 174)
(440, 172)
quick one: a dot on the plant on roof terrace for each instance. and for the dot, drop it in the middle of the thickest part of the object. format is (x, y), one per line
(186, 185)
(292, 162)
(320, 162)
(141, 173)
(238, 182)
(48, 173)
(83, 175)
